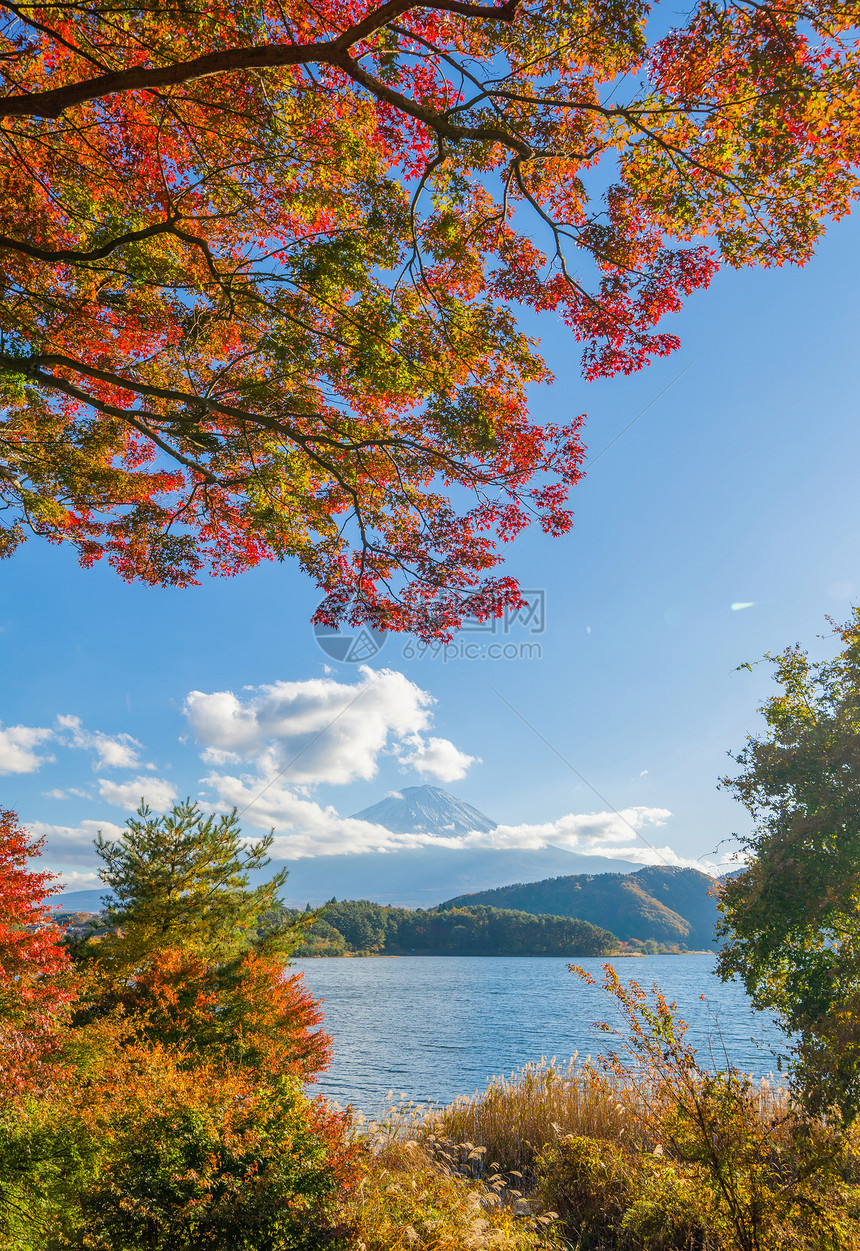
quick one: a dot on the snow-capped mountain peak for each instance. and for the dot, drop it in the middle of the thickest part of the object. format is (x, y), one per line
(426, 810)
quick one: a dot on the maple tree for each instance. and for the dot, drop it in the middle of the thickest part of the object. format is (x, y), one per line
(33, 963)
(262, 265)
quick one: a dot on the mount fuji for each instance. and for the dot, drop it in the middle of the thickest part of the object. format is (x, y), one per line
(425, 810)
(421, 877)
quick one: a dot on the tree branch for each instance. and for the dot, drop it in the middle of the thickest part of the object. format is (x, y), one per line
(59, 255)
(52, 103)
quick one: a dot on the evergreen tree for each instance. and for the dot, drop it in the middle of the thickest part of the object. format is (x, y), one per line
(181, 881)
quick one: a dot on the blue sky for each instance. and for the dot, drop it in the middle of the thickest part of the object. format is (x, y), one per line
(738, 485)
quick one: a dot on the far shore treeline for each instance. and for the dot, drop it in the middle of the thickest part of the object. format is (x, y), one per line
(359, 927)
(362, 928)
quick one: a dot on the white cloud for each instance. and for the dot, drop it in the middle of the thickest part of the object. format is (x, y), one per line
(438, 757)
(304, 828)
(75, 880)
(17, 743)
(615, 835)
(65, 844)
(158, 793)
(322, 730)
(117, 751)
(594, 831)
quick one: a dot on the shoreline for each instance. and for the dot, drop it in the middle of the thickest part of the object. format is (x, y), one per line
(494, 955)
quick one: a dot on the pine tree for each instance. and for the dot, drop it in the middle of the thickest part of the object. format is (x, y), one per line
(182, 881)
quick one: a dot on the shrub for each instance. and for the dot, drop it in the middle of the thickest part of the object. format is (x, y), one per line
(711, 1158)
(665, 1210)
(152, 1154)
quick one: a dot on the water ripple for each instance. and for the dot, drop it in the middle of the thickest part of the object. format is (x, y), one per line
(438, 1027)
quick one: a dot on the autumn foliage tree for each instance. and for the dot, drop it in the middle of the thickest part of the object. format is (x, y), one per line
(262, 264)
(33, 964)
(183, 1120)
(153, 1146)
(195, 955)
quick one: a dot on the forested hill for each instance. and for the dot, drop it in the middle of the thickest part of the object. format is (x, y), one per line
(666, 904)
(360, 927)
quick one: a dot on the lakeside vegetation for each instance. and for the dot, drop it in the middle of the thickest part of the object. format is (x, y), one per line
(359, 927)
(362, 928)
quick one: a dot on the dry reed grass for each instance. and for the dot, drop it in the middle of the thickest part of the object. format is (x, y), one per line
(517, 1116)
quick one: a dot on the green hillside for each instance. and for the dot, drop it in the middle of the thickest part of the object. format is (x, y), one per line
(667, 904)
(361, 927)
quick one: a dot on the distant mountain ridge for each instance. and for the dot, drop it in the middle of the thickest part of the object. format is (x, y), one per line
(416, 877)
(662, 902)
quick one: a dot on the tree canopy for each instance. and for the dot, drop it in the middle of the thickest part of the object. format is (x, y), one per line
(359, 926)
(791, 919)
(262, 264)
(33, 962)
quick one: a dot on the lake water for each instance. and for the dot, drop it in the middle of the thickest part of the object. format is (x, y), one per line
(433, 1028)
